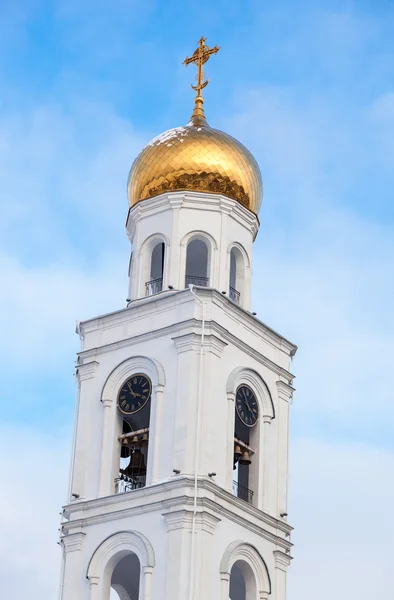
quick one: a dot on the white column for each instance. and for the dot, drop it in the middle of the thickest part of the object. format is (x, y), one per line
(154, 436)
(147, 571)
(230, 440)
(266, 455)
(225, 586)
(94, 587)
(284, 394)
(74, 587)
(83, 482)
(176, 273)
(106, 450)
(282, 561)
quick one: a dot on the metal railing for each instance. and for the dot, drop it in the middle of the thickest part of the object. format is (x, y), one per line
(234, 295)
(202, 281)
(242, 492)
(154, 286)
(125, 484)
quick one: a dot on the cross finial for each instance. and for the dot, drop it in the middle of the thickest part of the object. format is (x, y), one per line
(199, 58)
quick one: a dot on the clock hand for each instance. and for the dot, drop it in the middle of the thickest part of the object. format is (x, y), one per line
(247, 404)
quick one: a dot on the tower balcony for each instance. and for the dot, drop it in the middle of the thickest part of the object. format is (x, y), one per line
(154, 286)
(234, 295)
(196, 280)
(242, 492)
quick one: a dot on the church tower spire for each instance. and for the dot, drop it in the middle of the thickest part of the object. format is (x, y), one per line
(200, 56)
(179, 474)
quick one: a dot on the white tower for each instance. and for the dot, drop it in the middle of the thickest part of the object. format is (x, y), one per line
(178, 488)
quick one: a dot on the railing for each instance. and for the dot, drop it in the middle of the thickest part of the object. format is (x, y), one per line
(234, 295)
(202, 281)
(154, 286)
(125, 484)
(242, 492)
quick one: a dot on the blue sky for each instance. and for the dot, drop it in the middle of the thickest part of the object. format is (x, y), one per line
(308, 87)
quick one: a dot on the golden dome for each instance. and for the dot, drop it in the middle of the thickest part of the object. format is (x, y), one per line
(196, 158)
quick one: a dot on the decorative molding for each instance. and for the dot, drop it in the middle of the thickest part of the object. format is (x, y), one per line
(282, 560)
(240, 550)
(285, 391)
(135, 364)
(215, 500)
(192, 342)
(194, 201)
(241, 375)
(72, 541)
(183, 519)
(213, 326)
(130, 541)
(84, 371)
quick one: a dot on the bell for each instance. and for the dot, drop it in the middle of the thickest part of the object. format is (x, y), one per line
(125, 449)
(144, 438)
(237, 452)
(136, 465)
(245, 460)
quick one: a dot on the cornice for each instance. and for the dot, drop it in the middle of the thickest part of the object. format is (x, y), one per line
(183, 519)
(192, 341)
(195, 201)
(166, 303)
(180, 498)
(282, 559)
(72, 542)
(172, 298)
(86, 370)
(285, 390)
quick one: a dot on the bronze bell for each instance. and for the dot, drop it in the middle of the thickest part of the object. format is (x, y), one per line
(245, 460)
(125, 449)
(136, 465)
(144, 438)
(237, 452)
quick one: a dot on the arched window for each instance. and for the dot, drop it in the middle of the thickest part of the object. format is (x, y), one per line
(134, 402)
(121, 567)
(245, 424)
(197, 263)
(237, 275)
(244, 573)
(155, 283)
(252, 411)
(242, 582)
(125, 580)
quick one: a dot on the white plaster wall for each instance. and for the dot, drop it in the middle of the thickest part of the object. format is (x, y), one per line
(164, 519)
(165, 333)
(179, 216)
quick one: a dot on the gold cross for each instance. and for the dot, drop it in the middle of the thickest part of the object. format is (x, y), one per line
(199, 57)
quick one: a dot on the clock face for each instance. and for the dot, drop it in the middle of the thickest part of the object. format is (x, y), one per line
(246, 405)
(134, 394)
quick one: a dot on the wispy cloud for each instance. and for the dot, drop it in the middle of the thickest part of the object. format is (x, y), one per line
(316, 107)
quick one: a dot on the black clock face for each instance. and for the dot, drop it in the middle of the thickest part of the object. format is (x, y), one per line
(246, 406)
(134, 394)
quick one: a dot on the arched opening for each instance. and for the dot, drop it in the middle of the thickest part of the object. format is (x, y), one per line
(125, 580)
(197, 263)
(242, 582)
(134, 403)
(246, 442)
(155, 283)
(237, 275)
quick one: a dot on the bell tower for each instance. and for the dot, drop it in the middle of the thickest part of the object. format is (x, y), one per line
(178, 487)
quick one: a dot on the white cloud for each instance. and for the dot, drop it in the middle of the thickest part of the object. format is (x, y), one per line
(40, 307)
(33, 471)
(323, 276)
(341, 509)
(337, 491)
